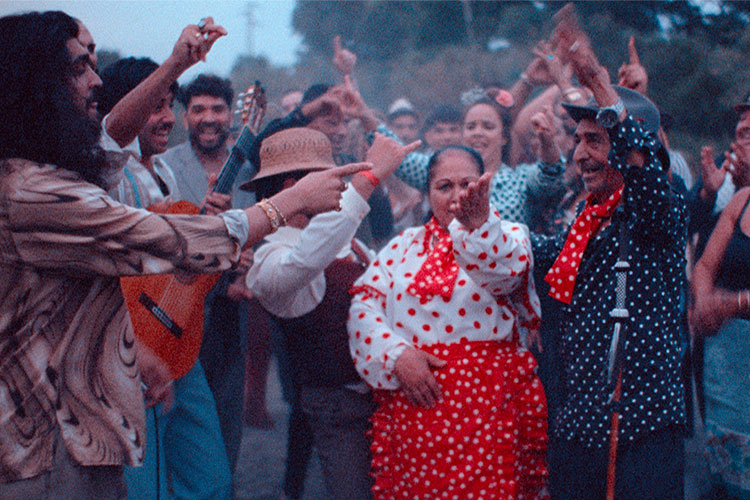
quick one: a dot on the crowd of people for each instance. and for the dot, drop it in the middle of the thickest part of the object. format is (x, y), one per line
(509, 301)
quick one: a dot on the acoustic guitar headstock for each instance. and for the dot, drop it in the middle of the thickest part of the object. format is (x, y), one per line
(252, 107)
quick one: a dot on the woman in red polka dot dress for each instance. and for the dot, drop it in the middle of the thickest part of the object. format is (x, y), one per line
(435, 327)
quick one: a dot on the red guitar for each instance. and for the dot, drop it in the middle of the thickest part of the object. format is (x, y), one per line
(167, 313)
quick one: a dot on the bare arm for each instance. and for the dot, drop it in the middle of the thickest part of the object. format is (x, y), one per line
(714, 305)
(315, 193)
(130, 114)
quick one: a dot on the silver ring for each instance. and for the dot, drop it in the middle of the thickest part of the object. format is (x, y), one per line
(574, 46)
(199, 35)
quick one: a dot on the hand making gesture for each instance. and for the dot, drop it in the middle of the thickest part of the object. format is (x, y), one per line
(194, 43)
(633, 75)
(343, 59)
(473, 206)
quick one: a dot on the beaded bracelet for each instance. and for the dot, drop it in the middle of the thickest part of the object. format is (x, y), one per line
(274, 216)
(283, 219)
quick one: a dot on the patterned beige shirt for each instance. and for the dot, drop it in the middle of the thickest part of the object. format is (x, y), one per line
(67, 351)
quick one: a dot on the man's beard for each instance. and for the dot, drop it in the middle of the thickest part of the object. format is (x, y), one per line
(222, 134)
(80, 133)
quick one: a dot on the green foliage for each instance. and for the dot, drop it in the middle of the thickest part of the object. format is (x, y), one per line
(107, 57)
(431, 51)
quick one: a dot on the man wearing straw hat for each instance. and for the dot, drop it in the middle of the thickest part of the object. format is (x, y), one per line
(302, 275)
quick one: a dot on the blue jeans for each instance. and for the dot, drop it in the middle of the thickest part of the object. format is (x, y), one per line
(190, 448)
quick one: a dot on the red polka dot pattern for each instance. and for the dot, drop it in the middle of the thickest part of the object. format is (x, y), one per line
(486, 439)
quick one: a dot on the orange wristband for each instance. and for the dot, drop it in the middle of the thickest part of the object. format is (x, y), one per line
(370, 177)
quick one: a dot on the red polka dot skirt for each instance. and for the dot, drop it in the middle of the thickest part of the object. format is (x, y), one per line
(485, 440)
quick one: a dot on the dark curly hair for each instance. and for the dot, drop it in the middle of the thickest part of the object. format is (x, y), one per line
(204, 84)
(121, 77)
(41, 121)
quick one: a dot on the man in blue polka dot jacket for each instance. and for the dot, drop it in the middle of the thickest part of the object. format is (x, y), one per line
(619, 158)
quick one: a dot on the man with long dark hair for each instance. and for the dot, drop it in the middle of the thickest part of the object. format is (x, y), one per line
(71, 408)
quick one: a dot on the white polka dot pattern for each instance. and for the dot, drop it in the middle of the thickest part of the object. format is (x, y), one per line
(485, 439)
(656, 222)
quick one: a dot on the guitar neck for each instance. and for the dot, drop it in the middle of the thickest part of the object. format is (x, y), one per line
(237, 157)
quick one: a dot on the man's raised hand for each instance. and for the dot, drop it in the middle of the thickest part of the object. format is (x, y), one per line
(343, 59)
(195, 42)
(633, 74)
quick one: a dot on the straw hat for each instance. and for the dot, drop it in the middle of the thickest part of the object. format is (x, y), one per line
(293, 150)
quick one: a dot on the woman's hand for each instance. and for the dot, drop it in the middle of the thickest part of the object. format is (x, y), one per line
(473, 205)
(713, 177)
(412, 369)
(543, 125)
(547, 69)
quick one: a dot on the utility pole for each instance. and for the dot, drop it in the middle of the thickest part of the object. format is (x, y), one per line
(250, 9)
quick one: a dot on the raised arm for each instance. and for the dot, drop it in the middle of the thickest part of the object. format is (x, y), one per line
(655, 210)
(130, 114)
(286, 274)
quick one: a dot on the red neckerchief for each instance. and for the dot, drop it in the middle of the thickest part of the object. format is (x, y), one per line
(562, 276)
(437, 276)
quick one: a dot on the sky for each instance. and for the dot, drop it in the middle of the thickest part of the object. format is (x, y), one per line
(149, 28)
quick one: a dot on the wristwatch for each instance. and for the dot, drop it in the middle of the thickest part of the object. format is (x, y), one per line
(610, 115)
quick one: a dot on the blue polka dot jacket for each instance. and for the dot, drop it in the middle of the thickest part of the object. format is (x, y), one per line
(656, 226)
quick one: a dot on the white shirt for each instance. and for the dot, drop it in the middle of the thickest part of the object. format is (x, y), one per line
(287, 275)
(494, 262)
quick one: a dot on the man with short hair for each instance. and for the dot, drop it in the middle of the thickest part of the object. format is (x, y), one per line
(403, 121)
(191, 457)
(631, 209)
(442, 128)
(208, 118)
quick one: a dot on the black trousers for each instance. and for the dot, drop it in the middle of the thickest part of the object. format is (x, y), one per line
(648, 469)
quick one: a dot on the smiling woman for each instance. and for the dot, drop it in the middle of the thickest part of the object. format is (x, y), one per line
(516, 192)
